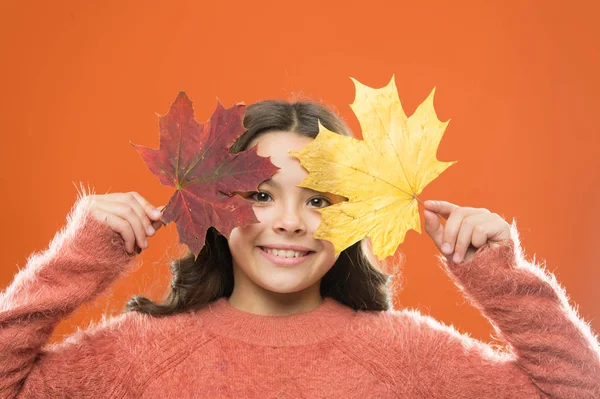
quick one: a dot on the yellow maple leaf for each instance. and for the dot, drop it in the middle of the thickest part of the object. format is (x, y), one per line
(380, 175)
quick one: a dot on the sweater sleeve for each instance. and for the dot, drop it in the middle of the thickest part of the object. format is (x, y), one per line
(82, 260)
(550, 351)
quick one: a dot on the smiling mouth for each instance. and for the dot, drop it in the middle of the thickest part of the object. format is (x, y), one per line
(284, 253)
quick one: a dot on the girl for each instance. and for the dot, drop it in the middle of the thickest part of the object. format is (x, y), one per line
(272, 313)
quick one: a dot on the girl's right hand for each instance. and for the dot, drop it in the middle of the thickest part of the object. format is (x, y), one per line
(130, 215)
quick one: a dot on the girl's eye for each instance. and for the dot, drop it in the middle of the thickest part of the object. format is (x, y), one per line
(260, 196)
(320, 202)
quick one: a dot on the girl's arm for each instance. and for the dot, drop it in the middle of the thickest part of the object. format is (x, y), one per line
(82, 260)
(548, 344)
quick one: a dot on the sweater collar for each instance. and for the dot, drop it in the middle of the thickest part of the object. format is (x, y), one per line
(325, 321)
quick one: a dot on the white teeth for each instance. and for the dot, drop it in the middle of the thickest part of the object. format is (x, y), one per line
(284, 253)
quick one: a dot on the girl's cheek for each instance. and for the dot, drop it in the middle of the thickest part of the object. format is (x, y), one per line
(263, 214)
(313, 220)
(329, 248)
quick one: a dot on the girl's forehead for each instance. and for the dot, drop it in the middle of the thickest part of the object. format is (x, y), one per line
(278, 144)
(290, 172)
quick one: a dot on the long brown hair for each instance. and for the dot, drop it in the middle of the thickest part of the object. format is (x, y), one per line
(354, 280)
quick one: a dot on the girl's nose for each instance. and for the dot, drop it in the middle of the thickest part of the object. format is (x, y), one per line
(289, 221)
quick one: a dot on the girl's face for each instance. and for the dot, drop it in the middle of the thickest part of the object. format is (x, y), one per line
(279, 254)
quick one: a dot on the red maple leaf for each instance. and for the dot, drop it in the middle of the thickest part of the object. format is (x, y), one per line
(194, 158)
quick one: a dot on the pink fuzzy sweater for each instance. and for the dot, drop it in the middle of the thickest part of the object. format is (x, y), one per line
(330, 352)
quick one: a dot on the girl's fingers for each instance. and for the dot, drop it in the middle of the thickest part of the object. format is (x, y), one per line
(452, 227)
(144, 210)
(465, 234)
(119, 225)
(157, 225)
(434, 228)
(451, 231)
(443, 208)
(129, 214)
(466, 229)
(446, 238)
(131, 211)
(481, 233)
(151, 211)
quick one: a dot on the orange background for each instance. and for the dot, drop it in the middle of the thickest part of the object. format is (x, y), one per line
(519, 80)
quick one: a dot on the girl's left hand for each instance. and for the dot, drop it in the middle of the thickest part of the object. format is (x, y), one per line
(466, 229)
